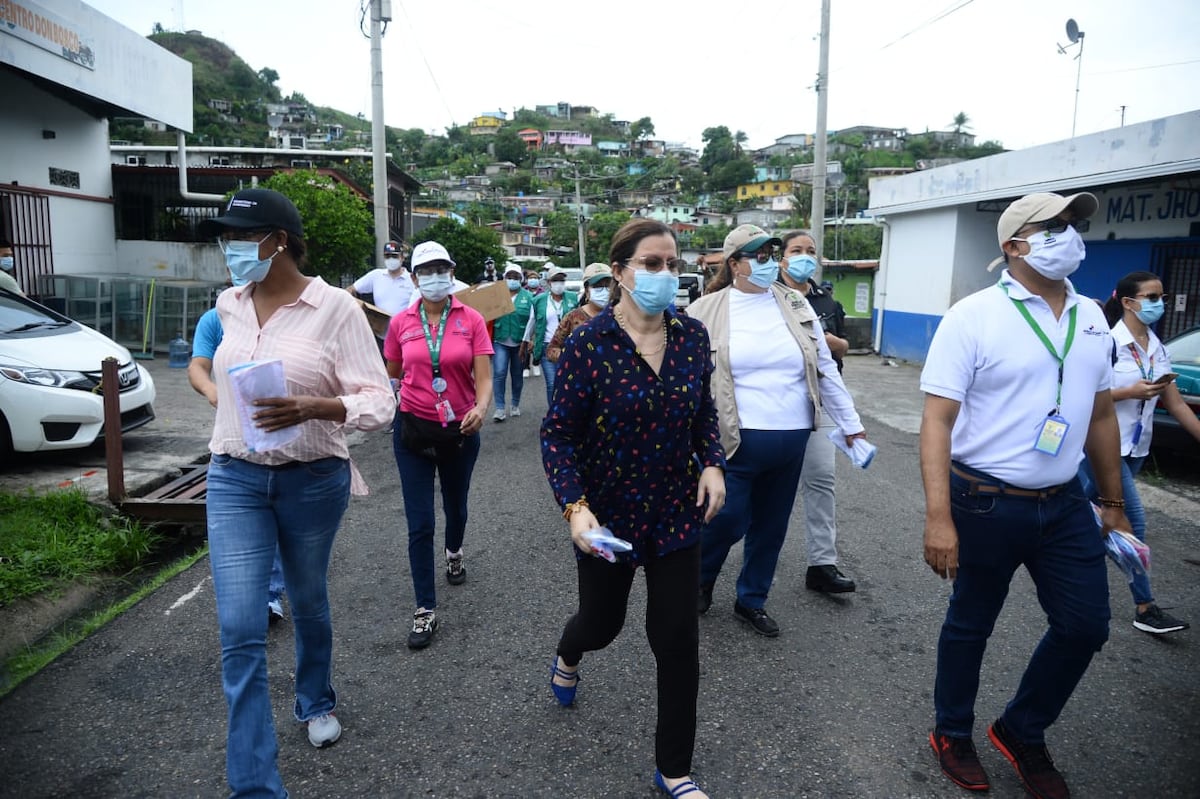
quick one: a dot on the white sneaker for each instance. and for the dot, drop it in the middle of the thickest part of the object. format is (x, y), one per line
(516, 411)
(324, 730)
(498, 416)
(524, 373)
(274, 611)
(537, 371)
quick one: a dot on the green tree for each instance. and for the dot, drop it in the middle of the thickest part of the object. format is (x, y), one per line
(337, 222)
(509, 146)
(853, 242)
(719, 148)
(467, 244)
(731, 174)
(268, 76)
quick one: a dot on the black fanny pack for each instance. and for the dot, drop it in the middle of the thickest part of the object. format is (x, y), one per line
(430, 439)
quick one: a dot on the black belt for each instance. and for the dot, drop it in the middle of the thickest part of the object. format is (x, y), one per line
(996, 488)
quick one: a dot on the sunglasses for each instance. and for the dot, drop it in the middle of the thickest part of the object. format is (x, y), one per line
(762, 254)
(655, 263)
(1056, 226)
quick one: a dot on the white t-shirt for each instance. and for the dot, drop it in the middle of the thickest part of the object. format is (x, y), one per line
(1156, 362)
(987, 357)
(392, 290)
(767, 366)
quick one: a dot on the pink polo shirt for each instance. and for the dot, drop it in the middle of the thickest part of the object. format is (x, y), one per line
(465, 337)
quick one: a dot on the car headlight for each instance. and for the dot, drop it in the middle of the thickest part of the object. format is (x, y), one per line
(36, 376)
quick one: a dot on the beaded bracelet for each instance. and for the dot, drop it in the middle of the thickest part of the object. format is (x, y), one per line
(1112, 503)
(571, 507)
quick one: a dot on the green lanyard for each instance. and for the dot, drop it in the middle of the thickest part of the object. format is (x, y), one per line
(1061, 359)
(435, 345)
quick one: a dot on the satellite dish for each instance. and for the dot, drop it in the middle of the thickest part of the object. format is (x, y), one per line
(1073, 31)
(835, 179)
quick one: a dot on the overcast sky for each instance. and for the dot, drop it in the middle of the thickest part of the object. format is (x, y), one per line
(688, 66)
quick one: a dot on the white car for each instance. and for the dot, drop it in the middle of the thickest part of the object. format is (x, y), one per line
(50, 367)
(574, 280)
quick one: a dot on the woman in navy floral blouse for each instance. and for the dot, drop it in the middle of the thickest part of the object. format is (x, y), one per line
(631, 443)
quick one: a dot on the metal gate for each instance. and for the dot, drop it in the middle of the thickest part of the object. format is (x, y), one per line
(1179, 265)
(25, 223)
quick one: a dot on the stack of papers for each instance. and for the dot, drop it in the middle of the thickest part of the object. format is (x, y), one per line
(260, 380)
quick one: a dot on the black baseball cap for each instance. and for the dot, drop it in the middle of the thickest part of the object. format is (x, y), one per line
(256, 209)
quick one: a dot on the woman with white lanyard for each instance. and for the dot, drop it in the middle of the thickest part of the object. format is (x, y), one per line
(549, 308)
(1141, 378)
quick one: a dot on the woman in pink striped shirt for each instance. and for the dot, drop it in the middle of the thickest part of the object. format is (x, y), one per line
(291, 496)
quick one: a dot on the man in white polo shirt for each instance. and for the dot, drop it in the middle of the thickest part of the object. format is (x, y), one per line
(1016, 389)
(391, 287)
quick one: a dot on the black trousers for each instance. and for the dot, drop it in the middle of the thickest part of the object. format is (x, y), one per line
(672, 628)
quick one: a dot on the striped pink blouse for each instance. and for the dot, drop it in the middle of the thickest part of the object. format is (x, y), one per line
(327, 349)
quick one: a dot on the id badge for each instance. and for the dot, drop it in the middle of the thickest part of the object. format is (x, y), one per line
(1051, 435)
(444, 411)
(1137, 432)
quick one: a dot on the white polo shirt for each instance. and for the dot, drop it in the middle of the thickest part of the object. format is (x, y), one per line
(392, 290)
(1156, 362)
(985, 356)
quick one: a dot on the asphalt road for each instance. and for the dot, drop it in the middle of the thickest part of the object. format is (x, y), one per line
(838, 706)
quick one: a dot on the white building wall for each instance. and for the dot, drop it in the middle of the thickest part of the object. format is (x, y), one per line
(169, 259)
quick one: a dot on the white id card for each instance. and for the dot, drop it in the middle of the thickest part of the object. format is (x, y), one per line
(1051, 434)
(444, 411)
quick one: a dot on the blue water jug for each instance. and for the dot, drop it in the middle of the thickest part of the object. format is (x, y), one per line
(179, 352)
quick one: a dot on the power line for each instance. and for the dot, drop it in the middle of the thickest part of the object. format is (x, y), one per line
(416, 42)
(1151, 66)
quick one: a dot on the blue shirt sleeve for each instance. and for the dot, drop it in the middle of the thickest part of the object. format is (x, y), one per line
(208, 334)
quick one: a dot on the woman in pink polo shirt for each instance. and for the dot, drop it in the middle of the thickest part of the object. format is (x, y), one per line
(440, 352)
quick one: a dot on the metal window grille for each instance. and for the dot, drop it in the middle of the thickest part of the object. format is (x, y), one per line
(1179, 265)
(25, 222)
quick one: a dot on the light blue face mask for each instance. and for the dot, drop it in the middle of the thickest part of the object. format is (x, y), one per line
(244, 264)
(533, 283)
(654, 291)
(513, 285)
(763, 274)
(801, 267)
(598, 296)
(1150, 312)
(7, 263)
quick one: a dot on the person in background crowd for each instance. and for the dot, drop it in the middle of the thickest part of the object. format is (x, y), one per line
(597, 285)
(391, 287)
(8, 265)
(773, 374)
(530, 365)
(439, 351)
(631, 443)
(489, 270)
(506, 338)
(817, 475)
(549, 309)
(293, 496)
(533, 283)
(205, 341)
(1141, 378)
(1001, 485)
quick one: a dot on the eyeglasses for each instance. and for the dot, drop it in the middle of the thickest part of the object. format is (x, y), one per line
(655, 263)
(241, 235)
(762, 254)
(1056, 226)
(433, 269)
(1150, 297)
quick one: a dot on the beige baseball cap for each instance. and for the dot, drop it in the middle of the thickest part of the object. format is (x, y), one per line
(748, 238)
(595, 272)
(1038, 207)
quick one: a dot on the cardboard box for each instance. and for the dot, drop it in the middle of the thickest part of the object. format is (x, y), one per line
(377, 318)
(492, 300)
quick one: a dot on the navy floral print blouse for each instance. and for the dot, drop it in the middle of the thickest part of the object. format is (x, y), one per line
(630, 441)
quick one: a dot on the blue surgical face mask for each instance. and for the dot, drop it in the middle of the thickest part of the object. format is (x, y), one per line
(801, 267)
(244, 264)
(763, 274)
(532, 283)
(1150, 312)
(436, 287)
(598, 296)
(513, 285)
(654, 291)
(7, 263)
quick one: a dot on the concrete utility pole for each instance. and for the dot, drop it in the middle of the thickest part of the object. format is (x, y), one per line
(818, 190)
(381, 11)
(581, 219)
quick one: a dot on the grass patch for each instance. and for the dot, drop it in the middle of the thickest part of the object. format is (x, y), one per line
(50, 539)
(22, 666)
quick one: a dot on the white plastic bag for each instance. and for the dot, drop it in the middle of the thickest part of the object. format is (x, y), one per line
(861, 454)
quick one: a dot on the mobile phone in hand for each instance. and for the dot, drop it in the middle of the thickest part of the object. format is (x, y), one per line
(1169, 377)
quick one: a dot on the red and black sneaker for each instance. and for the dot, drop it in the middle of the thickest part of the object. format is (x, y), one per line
(959, 761)
(1032, 762)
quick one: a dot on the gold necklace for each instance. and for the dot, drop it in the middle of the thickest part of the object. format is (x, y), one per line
(637, 350)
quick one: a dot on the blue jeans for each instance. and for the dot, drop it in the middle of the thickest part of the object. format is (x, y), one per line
(275, 587)
(549, 371)
(251, 511)
(1057, 541)
(1139, 586)
(760, 489)
(506, 360)
(416, 484)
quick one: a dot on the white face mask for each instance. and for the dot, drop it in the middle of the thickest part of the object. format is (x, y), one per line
(1054, 256)
(598, 296)
(557, 287)
(393, 264)
(435, 288)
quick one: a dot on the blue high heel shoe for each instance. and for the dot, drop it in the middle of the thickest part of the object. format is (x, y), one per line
(682, 789)
(565, 694)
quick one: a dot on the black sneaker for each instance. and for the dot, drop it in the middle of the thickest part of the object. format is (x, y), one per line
(756, 618)
(959, 761)
(704, 600)
(425, 624)
(1155, 621)
(1033, 764)
(456, 572)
